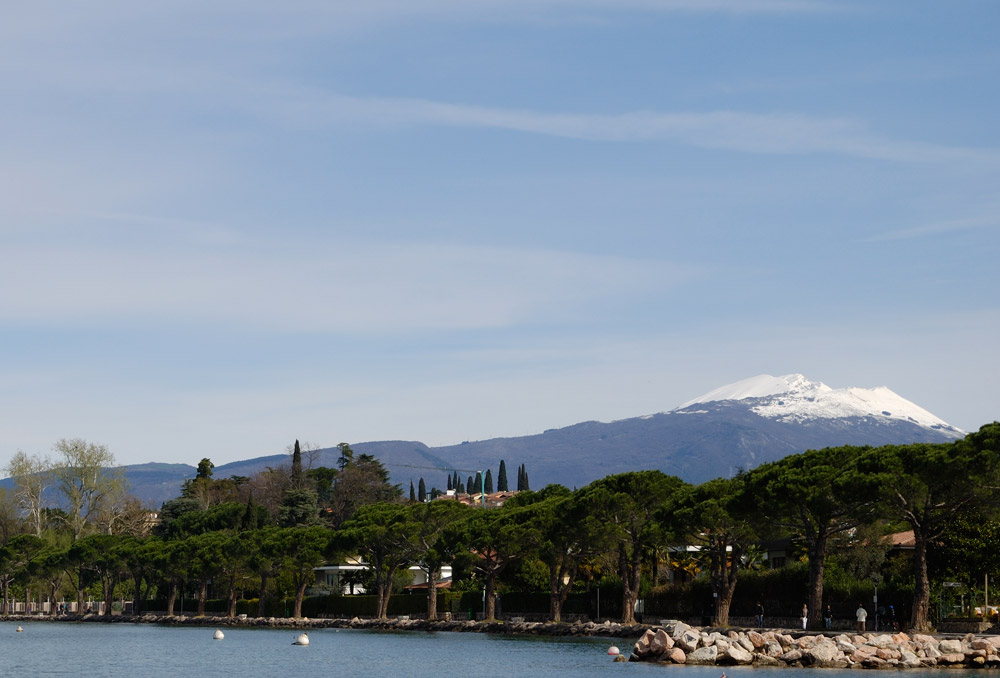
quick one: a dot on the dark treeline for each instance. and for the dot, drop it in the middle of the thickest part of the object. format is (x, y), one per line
(641, 533)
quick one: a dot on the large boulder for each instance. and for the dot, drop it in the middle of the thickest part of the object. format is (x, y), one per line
(703, 655)
(679, 629)
(688, 641)
(950, 646)
(792, 656)
(643, 646)
(660, 642)
(756, 639)
(735, 654)
(772, 648)
(951, 658)
(823, 653)
(676, 655)
(909, 660)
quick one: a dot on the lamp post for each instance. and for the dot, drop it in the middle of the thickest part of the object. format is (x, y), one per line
(875, 580)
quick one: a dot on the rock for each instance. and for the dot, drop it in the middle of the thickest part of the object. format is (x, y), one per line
(773, 649)
(950, 646)
(703, 655)
(643, 646)
(822, 653)
(909, 660)
(745, 643)
(756, 639)
(881, 641)
(951, 658)
(679, 629)
(873, 663)
(765, 660)
(736, 654)
(844, 645)
(982, 644)
(888, 653)
(620, 658)
(792, 656)
(923, 639)
(676, 655)
(688, 641)
(660, 642)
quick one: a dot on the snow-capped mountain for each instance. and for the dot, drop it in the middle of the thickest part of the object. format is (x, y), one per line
(738, 426)
(794, 399)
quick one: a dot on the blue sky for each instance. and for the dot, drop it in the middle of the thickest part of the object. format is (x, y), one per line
(228, 225)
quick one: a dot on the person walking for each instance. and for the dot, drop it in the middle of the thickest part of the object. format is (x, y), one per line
(759, 614)
(805, 616)
(862, 615)
(828, 618)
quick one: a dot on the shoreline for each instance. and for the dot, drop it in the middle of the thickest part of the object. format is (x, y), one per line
(608, 629)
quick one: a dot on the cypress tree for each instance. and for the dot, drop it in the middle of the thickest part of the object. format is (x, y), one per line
(460, 487)
(502, 477)
(527, 485)
(297, 466)
(470, 486)
(489, 481)
(449, 483)
(421, 490)
(478, 487)
(413, 494)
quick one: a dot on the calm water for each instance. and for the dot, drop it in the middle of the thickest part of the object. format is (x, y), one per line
(90, 649)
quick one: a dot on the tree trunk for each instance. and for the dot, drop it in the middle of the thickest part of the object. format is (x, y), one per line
(202, 595)
(817, 556)
(491, 599)
(171, 598)
(384, 592)
(432, 594)
(262, 595)
(231, 608)
(629, 570)
(300, 593)
(922, 588)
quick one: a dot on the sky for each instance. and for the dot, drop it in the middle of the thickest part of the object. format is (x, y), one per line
(225, 226)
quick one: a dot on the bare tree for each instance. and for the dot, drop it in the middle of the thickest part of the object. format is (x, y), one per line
(89, 481)
(32, 475)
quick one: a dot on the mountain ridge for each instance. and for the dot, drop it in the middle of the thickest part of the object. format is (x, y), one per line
(738, 426)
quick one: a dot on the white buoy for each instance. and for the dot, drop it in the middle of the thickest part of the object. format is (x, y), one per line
(219, 635)
(301, 639)
(19, 629)
(614, 651)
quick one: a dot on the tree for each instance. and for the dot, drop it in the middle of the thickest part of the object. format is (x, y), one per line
(490, 540)
(565, 532)
(421, 491)
(628, 503)
(384, 536)
(346, 456)
(15, 556)
(716, 516)
(489, 481)
(298, 508)
(502, 477)
(88, 481)
(102, 555)
(927, 485)
(363, 481)
(817, 494)
(205, 467)
(432, 520)
(32, 475)
(413, 493)
(298, 478)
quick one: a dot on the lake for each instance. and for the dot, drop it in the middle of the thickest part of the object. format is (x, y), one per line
(140, 650)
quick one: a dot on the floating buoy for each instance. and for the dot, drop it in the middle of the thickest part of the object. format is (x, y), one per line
(19, 629)
(219, 635)
(301, 639)
(614, 651)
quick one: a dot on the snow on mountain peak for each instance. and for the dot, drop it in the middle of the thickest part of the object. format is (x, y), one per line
(794, 398)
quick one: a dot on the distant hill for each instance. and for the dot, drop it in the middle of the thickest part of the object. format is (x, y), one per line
(737, 426)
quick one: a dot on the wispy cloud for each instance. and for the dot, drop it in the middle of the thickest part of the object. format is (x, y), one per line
(749, 132)
(329, 287)
(938, 228)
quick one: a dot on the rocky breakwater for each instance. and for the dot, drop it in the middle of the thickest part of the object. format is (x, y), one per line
(678, 643)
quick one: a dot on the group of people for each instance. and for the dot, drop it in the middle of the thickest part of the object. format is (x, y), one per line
(886, 617)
